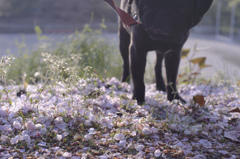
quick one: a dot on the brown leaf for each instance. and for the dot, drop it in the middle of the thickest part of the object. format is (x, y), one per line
(199, 99)
(185, 53)
(236, 110)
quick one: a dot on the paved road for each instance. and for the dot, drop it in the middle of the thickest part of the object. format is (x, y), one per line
(223, 56)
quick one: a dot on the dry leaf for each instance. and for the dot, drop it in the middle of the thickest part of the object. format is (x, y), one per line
(236, 110)
(185, 53)
(199, 99)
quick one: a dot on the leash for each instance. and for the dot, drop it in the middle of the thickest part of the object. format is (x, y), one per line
(125, 17)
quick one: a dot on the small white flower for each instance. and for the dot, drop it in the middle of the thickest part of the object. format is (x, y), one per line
(67, 154)
(60, 123)
(92, 118)
(4, 138)
(3, 111)
(15, 140)
(139, 147)
(119, 137)
(154, 130)
(42, 144)
(26, 137)
(105, 121)
(134, 133)
(17, 125)
(38, 126)
(122, 143)
(157, 153)
(20, 119)
(91, 131)
(187, 132)
(103, 156)
(146, 131)
(88, 137)
(30, 125)
(59, 137)
(87, 123)
(152, 149)
(43, 130)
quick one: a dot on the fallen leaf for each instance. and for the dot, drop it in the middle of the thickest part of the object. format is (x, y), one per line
(199, 99)
(236, 110)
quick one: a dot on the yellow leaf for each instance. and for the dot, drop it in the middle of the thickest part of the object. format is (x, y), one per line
(200, 60)
(185, 53)
(199, 99)
(25, 85)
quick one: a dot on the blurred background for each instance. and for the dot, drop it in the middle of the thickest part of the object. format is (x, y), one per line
(219, 31)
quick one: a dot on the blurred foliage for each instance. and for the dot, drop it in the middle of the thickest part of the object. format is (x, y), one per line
(194, 66)
(81, 50)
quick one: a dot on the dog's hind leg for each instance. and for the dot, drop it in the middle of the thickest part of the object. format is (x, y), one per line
(124, 42)
(158, 72)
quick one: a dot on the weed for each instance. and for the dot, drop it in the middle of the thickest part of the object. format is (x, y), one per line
(195, 65)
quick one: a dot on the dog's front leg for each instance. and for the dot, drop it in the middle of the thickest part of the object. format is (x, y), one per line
(138, 63)
(172, 60)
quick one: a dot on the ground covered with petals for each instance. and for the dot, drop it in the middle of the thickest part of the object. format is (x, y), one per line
(97, 119)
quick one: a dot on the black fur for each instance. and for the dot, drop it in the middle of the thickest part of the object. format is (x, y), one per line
(164, 27)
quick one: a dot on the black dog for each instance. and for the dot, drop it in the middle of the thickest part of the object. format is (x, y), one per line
(164, 27)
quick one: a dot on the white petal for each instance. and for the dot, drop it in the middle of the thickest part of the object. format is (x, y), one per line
(17, 125)
(88, 123)
(30, 125)
(146, 131)
(139, 147)
(59, 137)
(157, 153)
(88, 137)
(67, 154)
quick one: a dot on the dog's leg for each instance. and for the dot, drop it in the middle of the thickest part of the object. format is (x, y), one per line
(124, 39)
(158, 72)
(172, 60)
(138, 63)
